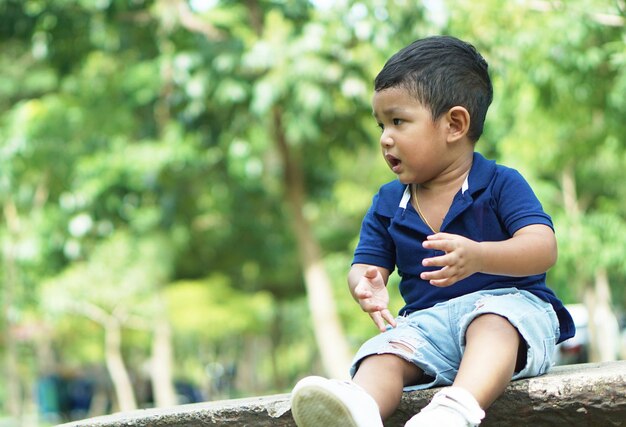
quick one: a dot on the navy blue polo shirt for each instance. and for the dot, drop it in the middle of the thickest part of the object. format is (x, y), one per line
(495, 202)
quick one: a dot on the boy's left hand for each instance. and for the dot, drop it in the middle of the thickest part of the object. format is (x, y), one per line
(462, 259)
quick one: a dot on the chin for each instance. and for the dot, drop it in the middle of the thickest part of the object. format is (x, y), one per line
(405, 181)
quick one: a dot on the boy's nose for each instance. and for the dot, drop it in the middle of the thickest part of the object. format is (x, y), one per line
(386, 140)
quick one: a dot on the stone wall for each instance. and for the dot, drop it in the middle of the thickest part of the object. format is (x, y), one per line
(576, 395)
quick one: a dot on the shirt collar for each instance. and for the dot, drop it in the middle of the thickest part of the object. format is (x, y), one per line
(480, 174)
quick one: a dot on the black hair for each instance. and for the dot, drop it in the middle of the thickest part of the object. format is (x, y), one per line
(442, 72)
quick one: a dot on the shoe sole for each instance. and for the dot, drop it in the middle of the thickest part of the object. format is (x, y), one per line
(314, 406)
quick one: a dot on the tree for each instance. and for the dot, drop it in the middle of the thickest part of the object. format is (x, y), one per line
(301, 75)
(238, 135)
(124, 277)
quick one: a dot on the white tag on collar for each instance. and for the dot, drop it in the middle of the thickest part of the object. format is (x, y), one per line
(405, 197)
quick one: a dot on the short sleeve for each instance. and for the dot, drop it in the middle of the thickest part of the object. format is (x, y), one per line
(517, 204)
(375, 247)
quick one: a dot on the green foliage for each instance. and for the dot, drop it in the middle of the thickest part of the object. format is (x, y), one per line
(122, 271)
(212, 310)
(137, 163)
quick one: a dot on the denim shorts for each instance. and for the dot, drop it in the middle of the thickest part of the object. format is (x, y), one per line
(434, 339)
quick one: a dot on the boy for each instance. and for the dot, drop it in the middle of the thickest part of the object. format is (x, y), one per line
(471, 243)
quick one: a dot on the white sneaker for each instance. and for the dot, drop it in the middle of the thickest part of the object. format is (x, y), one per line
(451, 407)
(319, 402)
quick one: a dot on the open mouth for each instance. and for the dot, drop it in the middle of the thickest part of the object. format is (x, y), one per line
(393, 161)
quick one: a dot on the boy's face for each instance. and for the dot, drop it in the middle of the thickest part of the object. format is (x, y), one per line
(414, 147)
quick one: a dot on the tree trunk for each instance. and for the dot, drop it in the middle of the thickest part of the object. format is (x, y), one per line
(161, 365)
(275, 338)
(603, 325)
(112, 352)
(329, 334)
(13, 386)
(247, 377)
(117, 369)
(13, 403)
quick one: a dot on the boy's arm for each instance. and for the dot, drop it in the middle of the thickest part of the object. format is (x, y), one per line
(368, 286)
(531, 250)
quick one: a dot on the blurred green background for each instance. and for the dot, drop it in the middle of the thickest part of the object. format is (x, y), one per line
(182, 183)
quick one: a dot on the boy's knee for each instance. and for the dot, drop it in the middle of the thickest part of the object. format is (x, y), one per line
(391, 363)
(491, 323)
(384, 360)
(502, 330)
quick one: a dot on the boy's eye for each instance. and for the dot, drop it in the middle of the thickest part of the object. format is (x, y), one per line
(395, 122)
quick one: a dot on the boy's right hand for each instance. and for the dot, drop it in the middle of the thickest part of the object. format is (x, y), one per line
(373, 297)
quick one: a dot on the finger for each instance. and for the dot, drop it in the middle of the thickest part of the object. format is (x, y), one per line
(439, 236)
(442, 283)
(386, 314)
(438, 261)
(369, 305)
(441, 278)
(444, 273)
(445, 245)
(378, 320)
(362, 293)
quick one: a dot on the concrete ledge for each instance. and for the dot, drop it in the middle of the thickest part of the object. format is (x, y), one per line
(575, 395)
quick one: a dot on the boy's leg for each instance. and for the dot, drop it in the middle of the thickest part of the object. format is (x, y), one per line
(373, 395)
(384, 376)
(488, 363)
(487, 366)
(503, 334)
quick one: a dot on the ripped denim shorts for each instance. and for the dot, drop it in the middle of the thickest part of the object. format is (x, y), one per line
(434, 339)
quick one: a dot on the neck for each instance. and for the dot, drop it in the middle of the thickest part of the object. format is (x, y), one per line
(450, 180)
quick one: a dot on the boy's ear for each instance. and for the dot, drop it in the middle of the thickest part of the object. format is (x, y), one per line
(458, 123)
